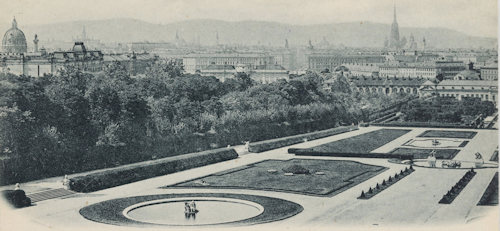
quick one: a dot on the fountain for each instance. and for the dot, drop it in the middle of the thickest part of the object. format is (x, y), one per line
(197, 211)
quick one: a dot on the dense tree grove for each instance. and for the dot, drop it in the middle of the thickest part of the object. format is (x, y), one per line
(447, 110)
(75, 121)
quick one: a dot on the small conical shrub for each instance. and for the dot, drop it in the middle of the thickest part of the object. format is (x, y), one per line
(384, 183)
(411, 167)
(370, 190)
(377, 186)
(390, 179)
(396, 176)
(401, 172)
(362, 194)
(406, 169)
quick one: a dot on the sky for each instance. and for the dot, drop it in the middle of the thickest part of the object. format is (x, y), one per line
(473, 17)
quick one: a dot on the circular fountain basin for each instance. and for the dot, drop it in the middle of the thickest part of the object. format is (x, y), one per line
(212, 211)
(428, 143)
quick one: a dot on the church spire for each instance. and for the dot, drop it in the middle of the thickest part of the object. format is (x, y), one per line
(395, 20)
(394, 36)
(14, 23)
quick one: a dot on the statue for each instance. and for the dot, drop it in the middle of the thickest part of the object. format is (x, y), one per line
(479, 160)
(431, 159)
(247, 145)
(65, 182)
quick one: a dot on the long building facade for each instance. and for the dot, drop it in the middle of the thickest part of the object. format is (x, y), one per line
(199, 62)
(320, 62)
(448, 69)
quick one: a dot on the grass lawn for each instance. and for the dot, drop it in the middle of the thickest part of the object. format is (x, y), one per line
(337, 176)
(424, 153)
(448, 134)
(490, 196)
(111, 211)
(363, 143)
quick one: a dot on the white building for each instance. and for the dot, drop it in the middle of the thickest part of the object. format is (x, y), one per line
(485, 90)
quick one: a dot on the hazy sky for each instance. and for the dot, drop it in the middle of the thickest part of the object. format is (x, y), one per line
(474, 17)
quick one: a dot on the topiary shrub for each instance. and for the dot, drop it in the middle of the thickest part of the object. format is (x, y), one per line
(16, 198)
(296, 169)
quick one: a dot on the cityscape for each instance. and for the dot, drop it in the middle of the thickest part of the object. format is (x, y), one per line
(249, 115)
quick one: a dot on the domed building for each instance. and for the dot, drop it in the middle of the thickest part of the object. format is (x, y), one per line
(15, 58)
(14, 40)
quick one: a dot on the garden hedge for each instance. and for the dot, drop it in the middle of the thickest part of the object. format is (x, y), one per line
(113, 177)
(424, 124)
(290, 140)
(311, 152)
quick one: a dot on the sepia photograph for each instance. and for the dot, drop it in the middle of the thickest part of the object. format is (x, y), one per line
(132, 115)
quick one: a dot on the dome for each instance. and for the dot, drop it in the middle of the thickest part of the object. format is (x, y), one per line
(14, 40)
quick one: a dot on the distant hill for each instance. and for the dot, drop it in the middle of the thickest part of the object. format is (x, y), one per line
(354, 34)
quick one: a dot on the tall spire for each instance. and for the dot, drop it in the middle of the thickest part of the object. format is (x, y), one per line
(395, 12)
(394, 36)
(14, 23)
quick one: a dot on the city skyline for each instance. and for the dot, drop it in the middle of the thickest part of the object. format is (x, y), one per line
(451, 14)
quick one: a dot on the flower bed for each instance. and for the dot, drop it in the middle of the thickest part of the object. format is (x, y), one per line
(363, 143)
(448, 134)
(325, 178)
(457, 188)
(385, 184)
(424, 153)
(490, 195)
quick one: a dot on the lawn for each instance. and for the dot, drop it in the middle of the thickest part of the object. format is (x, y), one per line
(490, 196)
(448, 134)
(424, 153)
(363, 143)
(337, 176)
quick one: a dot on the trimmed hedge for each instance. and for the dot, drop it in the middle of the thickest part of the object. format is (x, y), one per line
(290, 140)
(426, 125)
(311, 152)
(113, 177)
(16, 198)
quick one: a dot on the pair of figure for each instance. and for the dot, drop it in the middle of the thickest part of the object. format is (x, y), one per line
(190, 207)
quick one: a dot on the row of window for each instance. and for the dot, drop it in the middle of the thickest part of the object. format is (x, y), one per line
(472, 88)
(482, 96)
